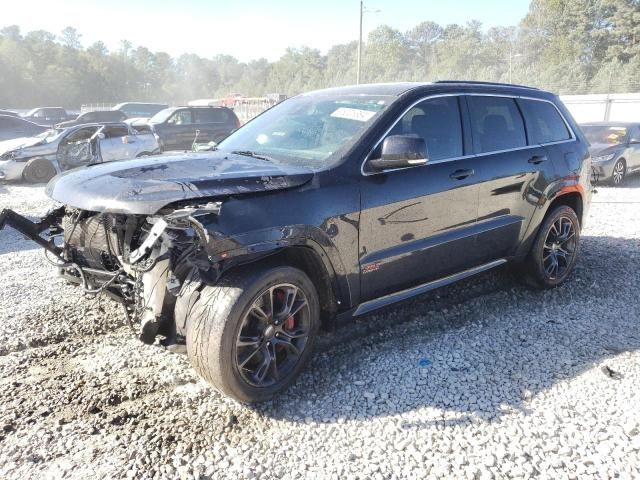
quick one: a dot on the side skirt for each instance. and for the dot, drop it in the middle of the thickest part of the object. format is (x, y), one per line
(392, 298)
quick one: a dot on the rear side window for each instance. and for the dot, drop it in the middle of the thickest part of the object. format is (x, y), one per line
(544, 123)
(211, 115)
(437, 120)
(55, 112)
(496, 124)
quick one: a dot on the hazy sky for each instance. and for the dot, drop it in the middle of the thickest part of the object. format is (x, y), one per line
(245, 29)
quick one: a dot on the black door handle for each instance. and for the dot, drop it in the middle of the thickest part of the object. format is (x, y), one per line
(538, 159)
(462, 174)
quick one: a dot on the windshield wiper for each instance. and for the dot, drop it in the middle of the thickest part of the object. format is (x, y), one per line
(249, 153)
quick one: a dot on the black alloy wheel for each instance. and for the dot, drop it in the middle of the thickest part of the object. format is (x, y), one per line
(559, 248)
(273, 335)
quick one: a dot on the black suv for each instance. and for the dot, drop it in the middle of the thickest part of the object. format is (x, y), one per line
(178, 128)
(96, 116)
(47, 115)
(330, 205)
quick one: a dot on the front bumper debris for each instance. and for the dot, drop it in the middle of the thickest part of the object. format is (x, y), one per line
(33, 230)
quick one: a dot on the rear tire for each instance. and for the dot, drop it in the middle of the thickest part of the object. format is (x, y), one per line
(555, 250)
(38, 170)
(231, 344)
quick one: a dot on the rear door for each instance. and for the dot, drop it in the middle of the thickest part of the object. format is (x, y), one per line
(117, 145)
(417, 224)
(513, 173)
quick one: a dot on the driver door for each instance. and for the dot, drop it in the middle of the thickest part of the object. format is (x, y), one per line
(75, 149)
(418, 224)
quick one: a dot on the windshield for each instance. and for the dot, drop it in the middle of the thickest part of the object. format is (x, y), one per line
(605, 134)
(31, 112)
(161, 116)
(309, 129)
(49, 136)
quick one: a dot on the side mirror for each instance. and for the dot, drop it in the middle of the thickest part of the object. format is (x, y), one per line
(100, 136)
(634, 141)
(401, 151)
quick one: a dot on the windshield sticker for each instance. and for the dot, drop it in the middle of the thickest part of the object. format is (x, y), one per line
(353, 114)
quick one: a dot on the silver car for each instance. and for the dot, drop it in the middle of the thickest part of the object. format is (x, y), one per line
(38, 159)
(615, 149)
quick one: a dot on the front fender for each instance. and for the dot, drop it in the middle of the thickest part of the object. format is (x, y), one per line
(229, 251)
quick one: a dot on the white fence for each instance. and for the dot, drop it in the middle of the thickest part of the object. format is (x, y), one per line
(622, 107)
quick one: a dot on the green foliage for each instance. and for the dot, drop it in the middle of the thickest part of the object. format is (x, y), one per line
(568, 46)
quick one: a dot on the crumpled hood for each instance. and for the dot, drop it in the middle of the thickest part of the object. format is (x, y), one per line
(145, 185)
(16, 143)
(600, 149)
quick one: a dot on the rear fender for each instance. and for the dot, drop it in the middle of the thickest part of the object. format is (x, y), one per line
(565, 186)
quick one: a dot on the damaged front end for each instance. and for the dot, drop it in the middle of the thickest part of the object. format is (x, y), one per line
(141, 261)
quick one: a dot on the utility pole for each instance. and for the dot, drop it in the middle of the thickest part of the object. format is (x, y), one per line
(511, 57)
(510, 62)
(607, 107)
(359, 46)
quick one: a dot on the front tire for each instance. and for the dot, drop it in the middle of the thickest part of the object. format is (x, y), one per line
(251, 334)
(619, 172)
(555, 250)
(38, 170)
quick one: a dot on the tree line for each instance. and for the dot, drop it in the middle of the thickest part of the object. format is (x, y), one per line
(567, 46)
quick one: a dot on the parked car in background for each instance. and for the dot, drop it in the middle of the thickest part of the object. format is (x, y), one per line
(615, 149)
(9, 113)
(97, 116)
(330, 205)
(48, 115)
(38, 159)
(16, 127)
(178, 128)
(271, 99)
(140, 109)
(232, 100)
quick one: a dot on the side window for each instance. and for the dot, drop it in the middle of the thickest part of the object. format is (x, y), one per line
(182, 117)
(80, 135)
(544, 123)
(39, 114)
(210, 115)
(437, 121)
(496, 124)
(635, 134)
(116, 131)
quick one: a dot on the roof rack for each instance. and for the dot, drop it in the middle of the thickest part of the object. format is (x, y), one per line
(495, 84)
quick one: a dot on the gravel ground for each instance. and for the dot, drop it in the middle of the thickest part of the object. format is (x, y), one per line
(485, 379)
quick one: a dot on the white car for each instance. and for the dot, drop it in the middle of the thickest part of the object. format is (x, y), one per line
(38, 159)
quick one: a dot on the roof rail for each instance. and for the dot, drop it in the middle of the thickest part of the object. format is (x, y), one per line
(496, 84)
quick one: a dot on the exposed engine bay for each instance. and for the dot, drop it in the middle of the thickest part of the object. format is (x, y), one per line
(141, 261)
